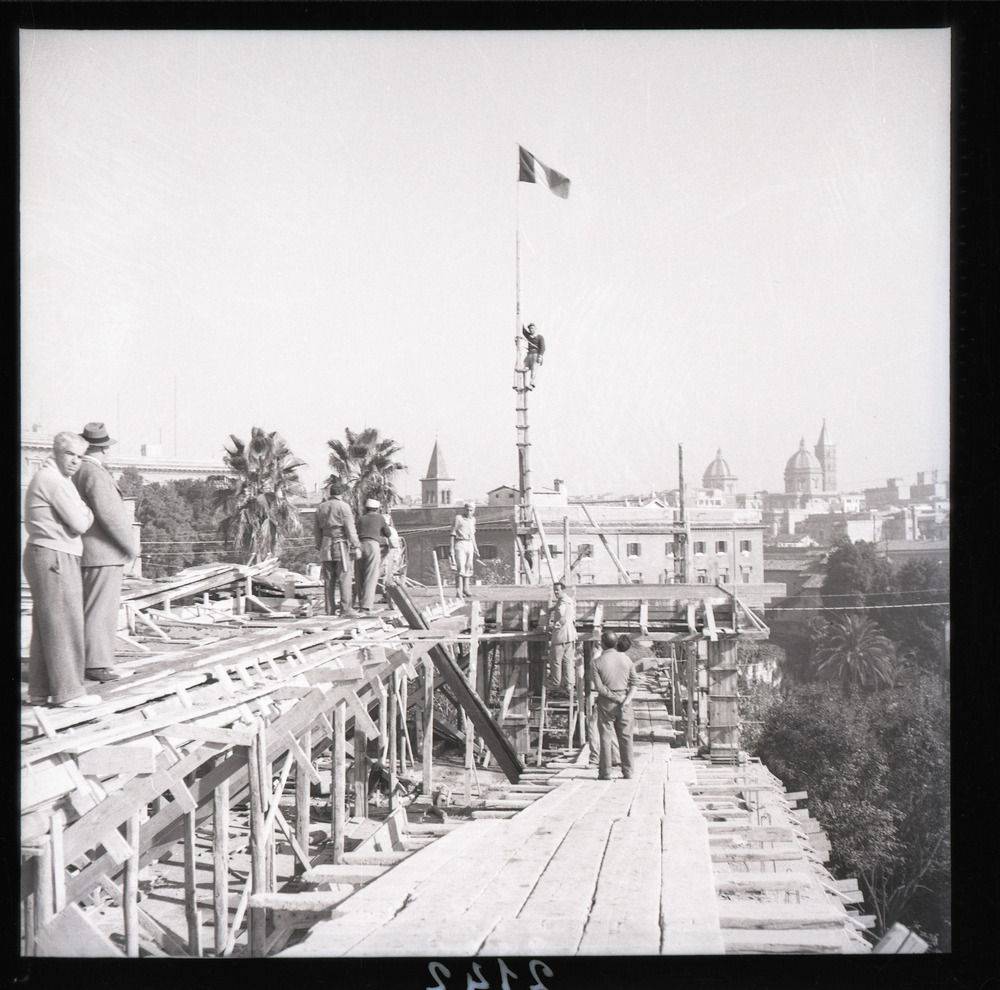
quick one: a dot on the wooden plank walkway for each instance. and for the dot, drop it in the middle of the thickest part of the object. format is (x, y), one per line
(576, 873)
(622, 867)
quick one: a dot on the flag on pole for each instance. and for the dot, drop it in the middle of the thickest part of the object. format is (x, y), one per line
(531, 167)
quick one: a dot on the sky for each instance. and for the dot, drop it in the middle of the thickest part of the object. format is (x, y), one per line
(307, 231)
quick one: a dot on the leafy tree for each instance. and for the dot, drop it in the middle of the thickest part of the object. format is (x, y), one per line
(851, 650)
(168, 533)
(920, 629)
(365, 462)
(130, 482)
(258, 514)
(856, 574)
(877, 773)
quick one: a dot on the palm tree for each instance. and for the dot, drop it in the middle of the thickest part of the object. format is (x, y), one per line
(259, 514)
(365, 463)
(852, 651)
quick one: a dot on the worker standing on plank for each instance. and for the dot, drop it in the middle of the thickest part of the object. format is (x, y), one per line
(464, 549)
(108, 546)
(55, 516)
(374, 534)
(616, 682)
(337, 541)
(562, 642)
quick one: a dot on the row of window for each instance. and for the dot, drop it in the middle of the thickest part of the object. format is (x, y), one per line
(488, 551)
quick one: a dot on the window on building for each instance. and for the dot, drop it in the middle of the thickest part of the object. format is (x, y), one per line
(745, 546)
(746, 575)
(724, 577)
(443, 552)
(446, 497)
(699, 546)
(431, 498)
(510, 496)
(585, 549)
(487, 551)
(720, 546)
(635, 577)
(633, 550)
(702, 577)
(554, 550)
(668, 549)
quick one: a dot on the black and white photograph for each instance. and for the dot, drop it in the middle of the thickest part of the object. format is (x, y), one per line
(485, 494)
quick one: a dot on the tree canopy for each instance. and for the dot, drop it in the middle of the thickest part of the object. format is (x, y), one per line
(258, 513)
(850, 650)
(366, 464)
(878, 773)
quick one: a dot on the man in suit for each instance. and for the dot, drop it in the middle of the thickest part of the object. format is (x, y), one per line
(108, 546)
(337, 542)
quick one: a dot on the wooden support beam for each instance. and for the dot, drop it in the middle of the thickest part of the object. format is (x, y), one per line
(130, 889)
(304, 773)
(475, 620)
(392, 722)
(338, 789)
(191, 886)
(607, 546)
(220, 865)
(257, 882)
(343, 873)
(427, 750)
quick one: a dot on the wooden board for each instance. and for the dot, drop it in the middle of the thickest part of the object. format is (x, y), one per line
(625, 916)
(689, 911)
(72, 933)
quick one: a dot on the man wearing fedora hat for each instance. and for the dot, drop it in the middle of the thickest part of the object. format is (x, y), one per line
(108, 546)
(374, 533)
(337, 543)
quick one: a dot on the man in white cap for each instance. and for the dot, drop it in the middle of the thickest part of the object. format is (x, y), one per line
(464, 549)
(374, 533)
(108, 546)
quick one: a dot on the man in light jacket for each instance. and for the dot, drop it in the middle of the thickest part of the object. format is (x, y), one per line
(55, 516)
(108, 546)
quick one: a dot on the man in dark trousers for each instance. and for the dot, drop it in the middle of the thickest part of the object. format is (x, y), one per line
(616, 682)
(374, 533)
(108, 546)
(337, 542)
(536, 351)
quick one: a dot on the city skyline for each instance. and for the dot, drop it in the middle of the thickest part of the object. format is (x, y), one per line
(307, 231)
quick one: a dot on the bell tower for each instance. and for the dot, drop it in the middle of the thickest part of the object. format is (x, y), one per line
(435, 488)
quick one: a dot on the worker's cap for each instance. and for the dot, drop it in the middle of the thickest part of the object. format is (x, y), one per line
(372, 503)
(96, 434)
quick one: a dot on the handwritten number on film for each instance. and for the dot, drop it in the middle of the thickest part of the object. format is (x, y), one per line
(536, 966)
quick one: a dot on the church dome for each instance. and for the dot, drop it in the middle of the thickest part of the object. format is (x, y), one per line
(802, 461)
(717, 475)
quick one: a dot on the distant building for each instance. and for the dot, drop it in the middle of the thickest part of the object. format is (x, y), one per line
(803, 472)
(436, 487)
(718, 476)
(36, 446)
(826, 453)
(827, 527)
(726, 544)
(894, 493)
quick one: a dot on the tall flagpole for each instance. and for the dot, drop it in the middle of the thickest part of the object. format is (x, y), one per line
(521, 391)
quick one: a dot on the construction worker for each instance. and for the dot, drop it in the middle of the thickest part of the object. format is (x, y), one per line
(464, 549)
(616, 682)
(562, 642)
(337, 542)
(374, 534)
(536, 351)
